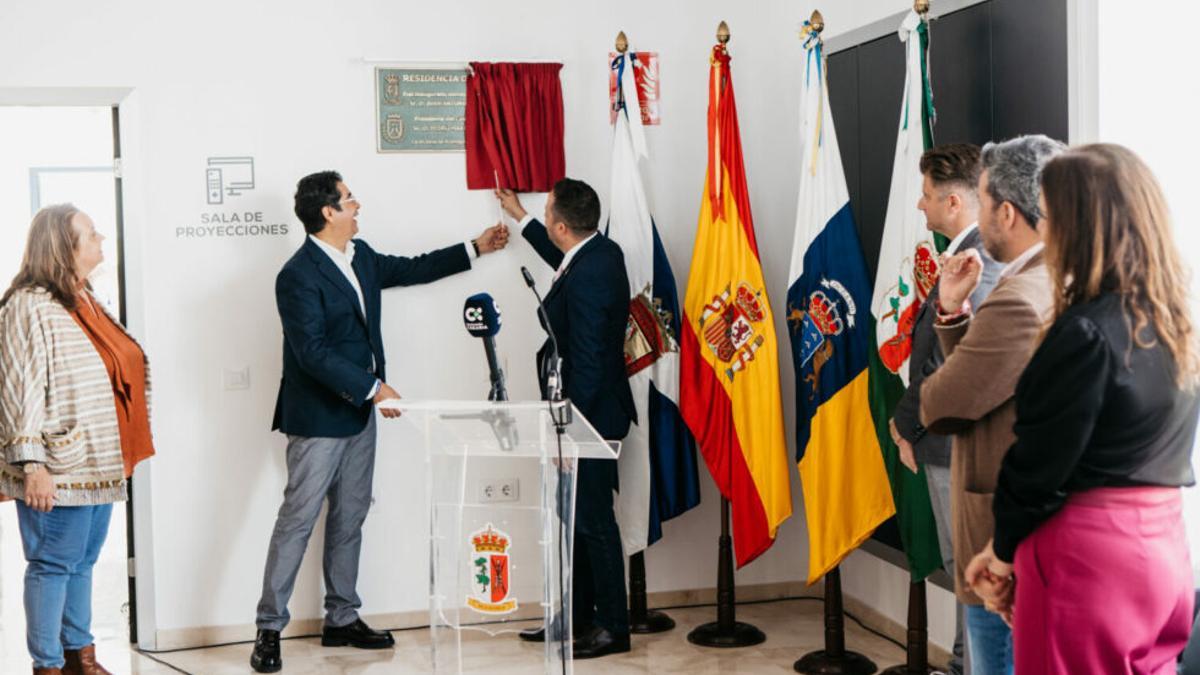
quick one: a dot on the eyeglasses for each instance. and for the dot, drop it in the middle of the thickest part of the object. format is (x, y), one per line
(348, 200)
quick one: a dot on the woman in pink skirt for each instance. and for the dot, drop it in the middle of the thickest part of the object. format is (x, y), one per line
(1089, 560)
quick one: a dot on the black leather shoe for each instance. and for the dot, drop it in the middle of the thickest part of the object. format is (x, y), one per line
(599, 642)
(266, 658)
(357, 634)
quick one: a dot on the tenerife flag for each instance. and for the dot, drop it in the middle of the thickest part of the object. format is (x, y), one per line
(729, 381)
(907, 272)
(846, 490)
(657, 468)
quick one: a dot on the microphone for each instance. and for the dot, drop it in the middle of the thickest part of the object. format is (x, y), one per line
(553, 366)
(481, 316)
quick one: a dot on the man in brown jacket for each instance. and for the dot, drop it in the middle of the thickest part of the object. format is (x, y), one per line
(987, 348)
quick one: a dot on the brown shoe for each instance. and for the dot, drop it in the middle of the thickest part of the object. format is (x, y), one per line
(82, 662)
(47, 671)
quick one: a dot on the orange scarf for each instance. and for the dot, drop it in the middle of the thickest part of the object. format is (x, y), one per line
(126, 367)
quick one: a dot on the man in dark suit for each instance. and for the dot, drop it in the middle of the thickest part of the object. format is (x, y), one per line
(328, 295)
(951, 205)
(588, 309)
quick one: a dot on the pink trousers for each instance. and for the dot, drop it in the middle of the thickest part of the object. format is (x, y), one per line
(1105, 586)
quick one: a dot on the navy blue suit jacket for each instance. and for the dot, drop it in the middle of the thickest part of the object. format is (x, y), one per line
(328, 345)
(588, 307)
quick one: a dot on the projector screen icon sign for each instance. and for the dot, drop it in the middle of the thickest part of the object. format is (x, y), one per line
(228, 176)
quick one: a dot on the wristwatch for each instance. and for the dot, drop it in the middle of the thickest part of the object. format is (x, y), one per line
(31, 467)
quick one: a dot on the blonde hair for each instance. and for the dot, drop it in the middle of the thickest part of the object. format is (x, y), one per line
(1110, 232)
(49, 260)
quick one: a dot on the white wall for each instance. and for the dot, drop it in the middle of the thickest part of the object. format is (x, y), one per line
(287, 84)
(1155, 117)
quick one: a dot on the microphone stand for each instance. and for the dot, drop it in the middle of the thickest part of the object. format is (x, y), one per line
(553, 367)
(560, 413)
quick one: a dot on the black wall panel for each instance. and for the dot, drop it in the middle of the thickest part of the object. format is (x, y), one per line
(998, 69)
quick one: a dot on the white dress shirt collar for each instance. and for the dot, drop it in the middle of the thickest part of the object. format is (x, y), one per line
(343, 261)
(958, 240)
(336, 255)
(1020, 261)
(571, 254)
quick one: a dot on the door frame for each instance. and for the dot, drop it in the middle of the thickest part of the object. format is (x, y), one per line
(125, 103)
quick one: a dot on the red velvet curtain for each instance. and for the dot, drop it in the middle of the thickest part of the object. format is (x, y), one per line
(514, 127)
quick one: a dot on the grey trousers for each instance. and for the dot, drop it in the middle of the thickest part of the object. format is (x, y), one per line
(938, 478)
(337, 469)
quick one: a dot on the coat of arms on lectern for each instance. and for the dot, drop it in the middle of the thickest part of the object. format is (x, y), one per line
(490, 572)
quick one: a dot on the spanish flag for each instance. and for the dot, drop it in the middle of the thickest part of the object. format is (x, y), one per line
(845, 482)
(729, 388)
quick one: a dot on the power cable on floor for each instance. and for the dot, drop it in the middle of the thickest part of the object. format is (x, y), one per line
(850, 616)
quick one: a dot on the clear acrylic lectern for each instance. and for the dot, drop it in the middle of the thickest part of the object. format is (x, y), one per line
(501, 486)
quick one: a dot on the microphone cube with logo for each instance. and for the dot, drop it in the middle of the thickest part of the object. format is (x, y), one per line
(481, 316)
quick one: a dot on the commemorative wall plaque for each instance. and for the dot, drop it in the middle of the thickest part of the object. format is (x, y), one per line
(420, 109)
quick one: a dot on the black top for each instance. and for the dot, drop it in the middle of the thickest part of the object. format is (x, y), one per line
(1091, 412)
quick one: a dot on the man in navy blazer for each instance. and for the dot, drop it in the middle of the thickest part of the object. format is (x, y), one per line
(328, 295)
(588, 308)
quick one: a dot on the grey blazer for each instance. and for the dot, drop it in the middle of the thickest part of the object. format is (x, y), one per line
(927, 357)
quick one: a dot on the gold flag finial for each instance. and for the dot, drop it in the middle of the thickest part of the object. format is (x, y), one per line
(622, 43)
(723, 33)
(816, 21)
(921, 6)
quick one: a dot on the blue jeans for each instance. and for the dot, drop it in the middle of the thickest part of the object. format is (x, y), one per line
(989, 641)
(61, 547)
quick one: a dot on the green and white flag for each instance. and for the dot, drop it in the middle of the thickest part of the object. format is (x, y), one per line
(907, 272)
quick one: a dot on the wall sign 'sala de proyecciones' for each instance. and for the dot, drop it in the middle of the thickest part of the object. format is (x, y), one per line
(227, 179)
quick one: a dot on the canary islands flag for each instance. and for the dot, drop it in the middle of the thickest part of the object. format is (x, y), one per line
(846, 490)
(729, 388)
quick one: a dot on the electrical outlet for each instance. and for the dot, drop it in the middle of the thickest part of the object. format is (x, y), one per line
(499, 490)
(236, 378)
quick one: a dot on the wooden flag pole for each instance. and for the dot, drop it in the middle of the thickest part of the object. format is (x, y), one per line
(726, 631)
(834, 659)
(642, 619)
(917, 661)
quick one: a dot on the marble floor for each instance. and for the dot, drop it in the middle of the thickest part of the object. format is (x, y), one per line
(793, 627)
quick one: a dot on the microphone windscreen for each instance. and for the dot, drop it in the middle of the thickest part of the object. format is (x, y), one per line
(481, 315)
(528, 277)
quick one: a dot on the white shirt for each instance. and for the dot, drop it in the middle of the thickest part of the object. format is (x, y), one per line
(958, 240)
(1016, 265)
(343, 261)
(568, 255)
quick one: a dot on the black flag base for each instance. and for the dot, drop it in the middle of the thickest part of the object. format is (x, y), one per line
(738, 635)
(905, 670)
(642, 619)
(726, 631)
(653, 621)
(834, 659)
(823, 663)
